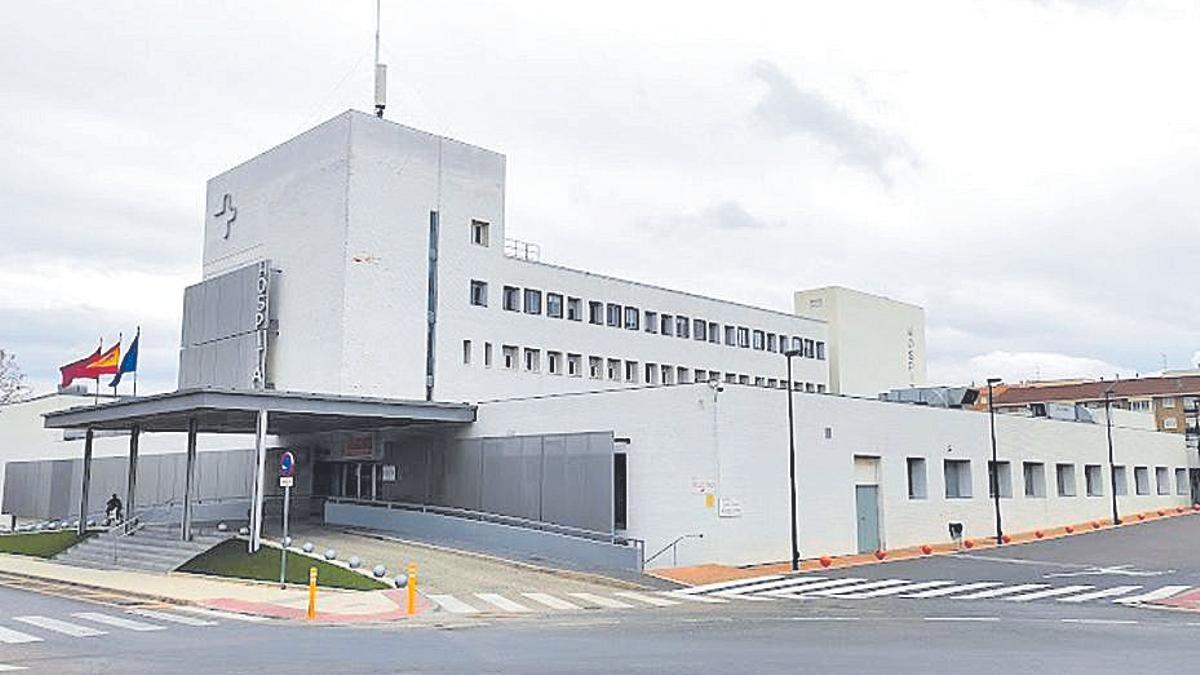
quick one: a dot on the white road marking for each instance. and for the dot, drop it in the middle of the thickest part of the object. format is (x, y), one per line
(794, 593)
(1003, 590)
(1157, 594)
(769, 585)
(118, 622)
(15, 637)
(693, 598)
(5, 668)
(173, 618)
(951, 590)
(724, 585)
(502, 602)
(452, 604)
(648, 599)
(220, 614)
(550, 601)
(1049, 593)
(896, 590)
(600, 600)
(822, 618)
(855, 588)
(1103, 622)
(74, 630)
(1103, 593)
(962, 618)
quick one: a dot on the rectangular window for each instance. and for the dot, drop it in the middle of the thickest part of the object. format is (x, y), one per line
(512, 298)
(1120, 481)
(810, 387)
(479, 232)
(554, 363)
(554, 305)
(810, 349)
(714, 333)
(957, 474)
(595, 367)
(1181, 482)
(798, 345)
(759, 381)
(596, 313)
(651, 322)
(614, 370)
(682, 327)
(820, 351)
(1141, 480)
(743, 379)
(759, 340)
(533, 360)
(651, 373)
(771, 344)
(632, 315)
(666, 325)
(510, 357)
(1065, 479)
(681, 375)
(730, 336)
(743, 337)
(1093, 480)
(668, 374)
(1034, 474)
(631, 372)
(1142, 405)
(701, 375)
(574, 365)
(820, 389)
(1162, 480)
(467, 352)
(533, 301)
(1170, 423)
(574, 309)
(1168, 401)
(614, 315)
(487, 354)
(783, 343)
(479, 293)
(731, 378)
(1000, 474)
(917, 488)
(700, 329)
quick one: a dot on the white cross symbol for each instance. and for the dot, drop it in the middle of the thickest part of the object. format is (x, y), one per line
(227, 207)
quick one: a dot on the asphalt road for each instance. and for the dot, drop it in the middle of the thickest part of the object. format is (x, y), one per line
(786, 635)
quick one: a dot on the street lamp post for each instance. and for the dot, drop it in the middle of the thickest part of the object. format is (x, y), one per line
(1112, 467)
(995, 472)
(789, 354)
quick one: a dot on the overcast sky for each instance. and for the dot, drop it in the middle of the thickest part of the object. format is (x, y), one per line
(1026, 170)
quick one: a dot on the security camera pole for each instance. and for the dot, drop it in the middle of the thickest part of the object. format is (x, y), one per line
(995, 477)
(789, 354)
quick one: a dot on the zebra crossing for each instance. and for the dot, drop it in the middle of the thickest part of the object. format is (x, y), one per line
(804, 586)
(533, 601)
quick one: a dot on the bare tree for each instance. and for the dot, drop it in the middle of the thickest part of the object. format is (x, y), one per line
(12, 380)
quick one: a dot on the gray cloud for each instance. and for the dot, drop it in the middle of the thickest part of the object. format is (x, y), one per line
(787, 109)
(731, 216)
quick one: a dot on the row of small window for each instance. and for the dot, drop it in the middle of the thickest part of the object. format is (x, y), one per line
(957, 479)
(557, 306)
(617, 370)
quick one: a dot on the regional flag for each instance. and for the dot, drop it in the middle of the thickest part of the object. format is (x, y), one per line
(93, 366)
(77, 369)
(129, 363)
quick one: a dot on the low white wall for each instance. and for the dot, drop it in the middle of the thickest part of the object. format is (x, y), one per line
(681, 437)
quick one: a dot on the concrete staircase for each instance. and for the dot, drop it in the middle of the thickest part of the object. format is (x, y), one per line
(154, 548)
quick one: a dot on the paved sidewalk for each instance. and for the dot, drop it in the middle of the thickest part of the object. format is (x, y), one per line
(247, 597)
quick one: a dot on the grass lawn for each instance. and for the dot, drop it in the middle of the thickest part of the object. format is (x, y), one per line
(40, 544)
(229, 559)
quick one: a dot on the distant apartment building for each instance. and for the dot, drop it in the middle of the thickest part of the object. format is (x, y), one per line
(1171, 399)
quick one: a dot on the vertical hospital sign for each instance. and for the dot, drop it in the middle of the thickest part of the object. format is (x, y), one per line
(262, 323)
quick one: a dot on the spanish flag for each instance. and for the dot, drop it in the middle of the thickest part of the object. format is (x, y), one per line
(89, 367)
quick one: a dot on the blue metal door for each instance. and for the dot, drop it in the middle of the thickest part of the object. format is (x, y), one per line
(866, 499)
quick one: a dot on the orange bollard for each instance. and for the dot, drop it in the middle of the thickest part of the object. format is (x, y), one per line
(412, 588)
(1141, 516)
(1006, 538)
(1039, 534)
(826, 561)
(926, 549)
(1069, 529)
(880, 554)
(1095, 524)
(312, 593)
(970, 543)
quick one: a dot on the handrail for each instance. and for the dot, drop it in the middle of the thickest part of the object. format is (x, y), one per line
(673, 546)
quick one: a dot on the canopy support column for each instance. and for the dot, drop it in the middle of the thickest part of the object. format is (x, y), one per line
(87, 481)
(260, 461)
(131, 482)
(189, 481)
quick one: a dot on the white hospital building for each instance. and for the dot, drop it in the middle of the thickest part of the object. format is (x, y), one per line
(361, 296)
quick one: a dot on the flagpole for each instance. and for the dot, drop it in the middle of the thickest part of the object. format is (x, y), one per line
(120, 339)
(96, 400)
(139, 343)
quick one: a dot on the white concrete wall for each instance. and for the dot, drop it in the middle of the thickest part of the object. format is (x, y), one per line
(738, 439)
(875, 343)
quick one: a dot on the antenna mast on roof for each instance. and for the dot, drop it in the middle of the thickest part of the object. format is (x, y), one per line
(380, 71)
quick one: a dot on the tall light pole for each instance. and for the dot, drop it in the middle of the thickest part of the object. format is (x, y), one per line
(1112, 467)
(995, 472)
(789, 354)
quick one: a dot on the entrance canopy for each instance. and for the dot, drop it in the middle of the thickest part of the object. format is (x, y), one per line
(236, 412)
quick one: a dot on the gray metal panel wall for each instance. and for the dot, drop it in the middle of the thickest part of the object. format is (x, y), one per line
(577, 488)
(219, 346)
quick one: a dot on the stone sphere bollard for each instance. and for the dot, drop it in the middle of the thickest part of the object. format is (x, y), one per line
(379, 571)
(222, 527)
(355, 562)
(244, 531)
(287, 541)
(401, 580)
(330, 554)
(309, 547)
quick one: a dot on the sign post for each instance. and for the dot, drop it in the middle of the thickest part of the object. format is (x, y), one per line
(287, 476)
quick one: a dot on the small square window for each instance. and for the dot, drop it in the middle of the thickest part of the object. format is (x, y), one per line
(820, 351)
(1065, 478)
(700, 330)
(632, 317)
(554, 305)
(1181, 482)
(743, 337)
(631, 372)
(614, 315)
(681, 327)
(730, 336)
(595, 367)
(574, 309)
(1093, 480)
(512, 298)
(957, 475)
(651, 322)
(1120, 481)
(651, 373)
(771, 344)
(596, 313)
(667, 325)
(574, 365)
(668, 374)
(479, 232)
(479, 293)
(614, 370)
(467, 352)
(1141, 480)
(533, 360)
(759, 341)
(1000, 473)
(510, 357)
(917, 487)
(714, 333)
(554, 363)
(1035, 479)
(1162, 480)
(682, 376)
(533, 301)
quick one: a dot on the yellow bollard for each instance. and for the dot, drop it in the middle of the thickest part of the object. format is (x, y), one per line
(412, 588)
(312, 593)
